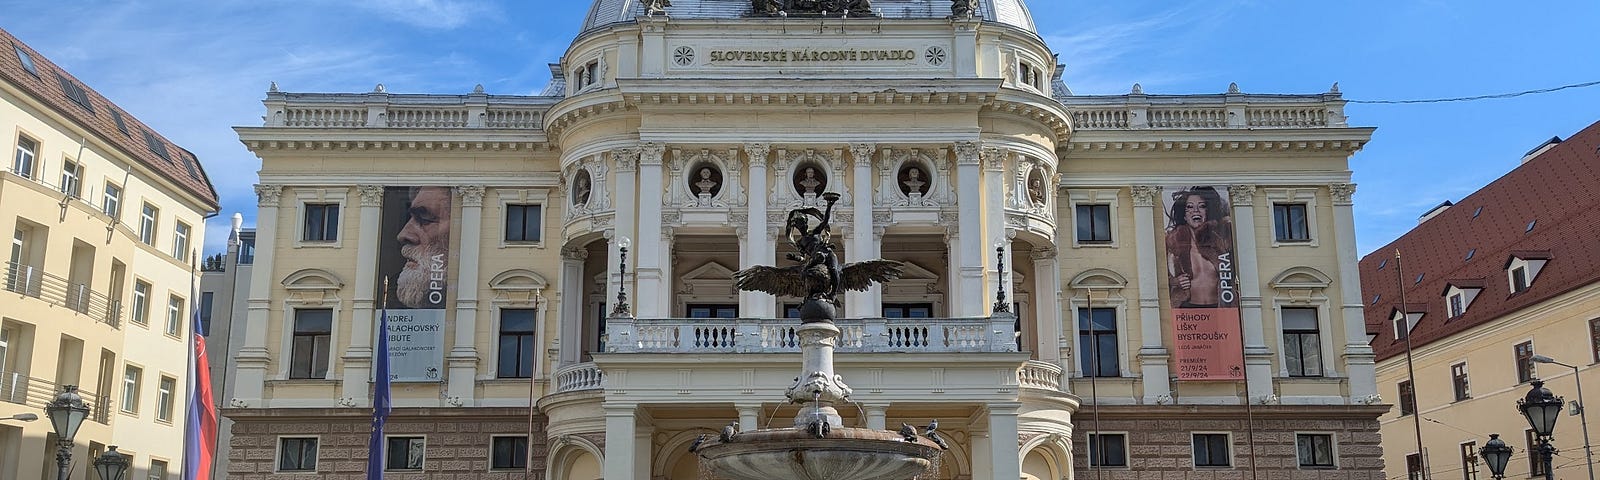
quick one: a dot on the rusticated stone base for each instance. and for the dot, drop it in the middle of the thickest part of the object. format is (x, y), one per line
(1159, 441)
(458, 440)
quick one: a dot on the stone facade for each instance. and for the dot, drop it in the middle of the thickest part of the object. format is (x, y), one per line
(1159, 441)
(457, 441)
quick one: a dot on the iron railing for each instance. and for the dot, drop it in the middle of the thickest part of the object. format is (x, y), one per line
(37, 392)
(34, 282)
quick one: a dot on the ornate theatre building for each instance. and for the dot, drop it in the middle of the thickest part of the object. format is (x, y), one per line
(1095, 286)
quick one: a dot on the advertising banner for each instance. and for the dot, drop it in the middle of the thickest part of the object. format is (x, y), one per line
(414, 254)
(1203, 284)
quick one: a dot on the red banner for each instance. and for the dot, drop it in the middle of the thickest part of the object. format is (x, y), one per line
(1207, 344)
(1202, 284)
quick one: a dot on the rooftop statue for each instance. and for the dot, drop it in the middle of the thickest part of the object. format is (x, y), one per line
(817, 277)
(859, 8)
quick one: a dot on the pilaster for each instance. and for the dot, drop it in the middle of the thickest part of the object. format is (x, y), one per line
(1047, 304)
(756, 247)
(621, 434)
(1004, 451)
(1359, 363)
(652, 251)
(253, 357)
(969, 299)
(994, 191)
(571, 305)
(626, 161)
(862, 247)
(1257, 358)
(358, 358)
(462, 360)
(1153, 355)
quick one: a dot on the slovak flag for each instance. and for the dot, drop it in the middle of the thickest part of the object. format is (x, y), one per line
(200, 429)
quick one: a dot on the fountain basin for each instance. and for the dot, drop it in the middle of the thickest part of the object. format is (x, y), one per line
(793, 454)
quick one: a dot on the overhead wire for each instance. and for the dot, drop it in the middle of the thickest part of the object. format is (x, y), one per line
(1480, 97)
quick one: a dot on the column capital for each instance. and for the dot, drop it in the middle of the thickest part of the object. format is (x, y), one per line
(757, 152)
(627, 159)
(1043, 253)
(574, 253)
(1343, 193)
(967, 153)
(862, 153)
(1242, 195)
(268, 195)
(471, 195)
(650, 153)
(994, 159)
(1145, 195)
(371, 195)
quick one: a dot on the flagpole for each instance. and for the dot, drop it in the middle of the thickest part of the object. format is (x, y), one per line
(380, 395)
(1411, 372)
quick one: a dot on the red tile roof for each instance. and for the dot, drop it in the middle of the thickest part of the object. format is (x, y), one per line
(46, 89)
(1557, 191)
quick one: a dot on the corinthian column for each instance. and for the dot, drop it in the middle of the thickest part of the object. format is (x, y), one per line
(462, 360)
(757, 247)
(1257, 358)
(652, 251)
(358, 358)
(253, 356)
(862, 247)
(627, 211)
(969, 299)
(1153, 354)
(1358, 356)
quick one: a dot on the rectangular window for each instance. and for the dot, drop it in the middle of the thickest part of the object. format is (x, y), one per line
(906, 310)
(1315, 449)
(174, 315)
(1402, 327)
(158, 470)
(1469, 461)
(71, 178)
(247, 251)
(180, 242)
(1458, 381)
(523, 223)
(74, 92)
(1408, 399)
(1212, 450)
(147, 224)
(131, 376)
(297, 454)
(27, 60)
(712, 310)
(308, 356)
(1094, 223)
(122, 126)
(27, 153)
(141, 302)
(1108, 450)
(164, 391)
(156, 146)
(405, 453)
(1289, 222)
(1458, 305)
(508, 453)
(322, 223)
(1524, 358)
(1594, 339)
(206, 298)
(1414, 466)
(1097, 340)
(1535, 462)
(1519, 279)
(1302, 342)
(517, 349)
(112, 203)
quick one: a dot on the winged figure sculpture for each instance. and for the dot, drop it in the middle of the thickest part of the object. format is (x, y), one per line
(817, 275)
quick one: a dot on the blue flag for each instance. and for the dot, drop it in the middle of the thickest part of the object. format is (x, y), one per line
(380, 399)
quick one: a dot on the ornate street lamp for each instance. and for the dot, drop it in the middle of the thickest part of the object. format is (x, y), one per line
(66, 414)
(1496, 453)
(1542, 408)
(111, 465)
(1583, 417)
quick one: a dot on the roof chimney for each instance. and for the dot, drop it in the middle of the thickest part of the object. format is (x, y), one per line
(1548, 144)
(1435, 211)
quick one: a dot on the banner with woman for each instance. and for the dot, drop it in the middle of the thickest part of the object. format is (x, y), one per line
(1202, 284)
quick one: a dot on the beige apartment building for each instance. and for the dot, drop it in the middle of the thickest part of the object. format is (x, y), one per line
(1178, 269)
(104, 216)
(1506, 273)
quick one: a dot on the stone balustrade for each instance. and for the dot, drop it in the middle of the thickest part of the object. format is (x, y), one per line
(385, 110)
(1040, 375)
(869, 335)
(579, 376)
(1201, 112)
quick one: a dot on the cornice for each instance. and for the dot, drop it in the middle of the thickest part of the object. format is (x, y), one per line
(518, 143)
(1345, 140)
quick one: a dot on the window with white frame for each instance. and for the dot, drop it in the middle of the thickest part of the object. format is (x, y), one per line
(1302, 342)
(141, 302)
(1294, 215)
(174, 315)
(508, 453)
(1458, 304)
(1093, 223)
(1094, 214)
(180, 242)
(131, 377)
(1524, 360)
(27, 155)
(321, 223)
(147, 224)
(517, 349)
(1523, 269)
(1108, 450)
(1212, 450)
(158, 469)
(405, 453)
(1097, 341)
(1469, 460)
(1458, 381)
(111, 202)
(1315, 450)
(524, 223)
(308, 350)
(71, 178)
(165, 390)
(297, 454)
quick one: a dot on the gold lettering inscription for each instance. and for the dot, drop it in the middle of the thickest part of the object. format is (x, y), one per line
(811, 56)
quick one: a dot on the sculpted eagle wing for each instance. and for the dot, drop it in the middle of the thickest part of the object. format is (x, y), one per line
(783, 282)
(860, 276)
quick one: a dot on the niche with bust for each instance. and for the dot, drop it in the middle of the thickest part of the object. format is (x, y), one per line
(810, 180)
(1036, 187)
(705, 181)
(914, 181)
(582, 185)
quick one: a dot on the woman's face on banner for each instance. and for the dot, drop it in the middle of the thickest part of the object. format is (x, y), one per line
(1194, 210)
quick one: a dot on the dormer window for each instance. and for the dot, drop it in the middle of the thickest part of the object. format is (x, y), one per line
(1459, 294)
(586, 75)
(1030, 75)
(1403, 323)
(1519, 279)
(1458, 305)
(1523, 268)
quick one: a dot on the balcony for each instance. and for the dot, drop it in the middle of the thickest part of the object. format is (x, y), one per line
(857, 335)
(1138, 111)
(380, 109)
(37, 392)
(1034, 374)
(34, 282)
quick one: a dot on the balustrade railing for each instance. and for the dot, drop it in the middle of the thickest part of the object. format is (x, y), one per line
(1040, 375)
(579, 376)
(381, 110)
(1201, 112)
(748, 335)
(37, 392)
(35, 282)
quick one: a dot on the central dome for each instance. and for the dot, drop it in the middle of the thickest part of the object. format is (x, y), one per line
(606, 12)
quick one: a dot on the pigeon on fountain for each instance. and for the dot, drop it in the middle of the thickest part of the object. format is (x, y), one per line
(932, 432)
(933, 425)
(729, 431)
(908, 432)
(693, 447)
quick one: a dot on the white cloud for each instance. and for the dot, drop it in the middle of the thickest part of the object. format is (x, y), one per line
(432, 14)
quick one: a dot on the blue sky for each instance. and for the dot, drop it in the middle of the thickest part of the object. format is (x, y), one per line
(193, 69)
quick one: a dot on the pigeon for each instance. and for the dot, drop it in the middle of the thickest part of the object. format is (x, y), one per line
(729, 431)
(937, 440)
(908, 432)
(932, 425)
(697, 441)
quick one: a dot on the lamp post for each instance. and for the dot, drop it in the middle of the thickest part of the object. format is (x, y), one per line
(1496, 453)
(23, 417)
(66, 414)
(1583, 416)
(111, 465)
(1542, 408)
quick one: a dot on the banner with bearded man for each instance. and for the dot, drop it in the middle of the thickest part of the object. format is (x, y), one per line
(415, 254)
